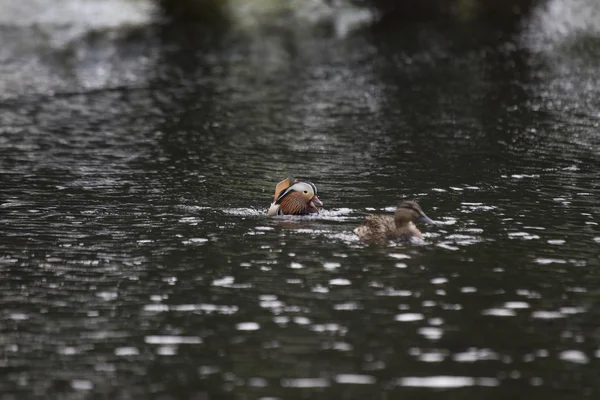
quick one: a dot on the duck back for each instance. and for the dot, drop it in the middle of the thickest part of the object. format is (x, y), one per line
(376, 228)
(381, 228)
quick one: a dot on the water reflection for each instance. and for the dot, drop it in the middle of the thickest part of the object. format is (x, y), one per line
(136, 259)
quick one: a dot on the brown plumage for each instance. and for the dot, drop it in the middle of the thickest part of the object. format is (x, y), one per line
(400, 227)
(294, 197)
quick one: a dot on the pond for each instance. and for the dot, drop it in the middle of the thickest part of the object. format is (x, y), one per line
(138, 159)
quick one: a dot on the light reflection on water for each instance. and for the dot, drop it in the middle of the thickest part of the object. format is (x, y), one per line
(136, 258)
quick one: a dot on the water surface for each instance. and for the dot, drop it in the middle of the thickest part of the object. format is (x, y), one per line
(138, 160)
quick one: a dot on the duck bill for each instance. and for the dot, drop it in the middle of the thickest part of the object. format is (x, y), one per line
(314, 202)
(426, 219)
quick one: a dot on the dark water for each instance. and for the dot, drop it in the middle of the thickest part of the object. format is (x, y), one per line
(136, 260)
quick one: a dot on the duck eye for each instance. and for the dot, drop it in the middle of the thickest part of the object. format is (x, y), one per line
(305, 192)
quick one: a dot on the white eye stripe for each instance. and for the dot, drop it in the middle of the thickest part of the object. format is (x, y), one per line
(308, 186)
(297, 187)
(301, 187)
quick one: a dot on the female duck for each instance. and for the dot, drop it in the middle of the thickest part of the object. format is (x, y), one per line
(401, 227)
(294, 197)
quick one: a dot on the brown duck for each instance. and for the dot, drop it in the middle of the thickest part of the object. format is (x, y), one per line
(294, 197)
(400, 227)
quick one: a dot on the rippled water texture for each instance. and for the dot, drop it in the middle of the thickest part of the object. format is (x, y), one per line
(137, 161)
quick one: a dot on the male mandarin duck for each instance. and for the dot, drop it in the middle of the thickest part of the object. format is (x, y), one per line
(378, 228)
(294, 197)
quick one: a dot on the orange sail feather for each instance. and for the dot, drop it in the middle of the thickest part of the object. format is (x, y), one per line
(281, 186)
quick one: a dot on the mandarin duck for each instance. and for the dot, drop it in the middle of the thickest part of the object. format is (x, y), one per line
(400, 227)
(294, 197)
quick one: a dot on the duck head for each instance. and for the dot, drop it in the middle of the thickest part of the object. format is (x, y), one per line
(295, 198)
(410, 211)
